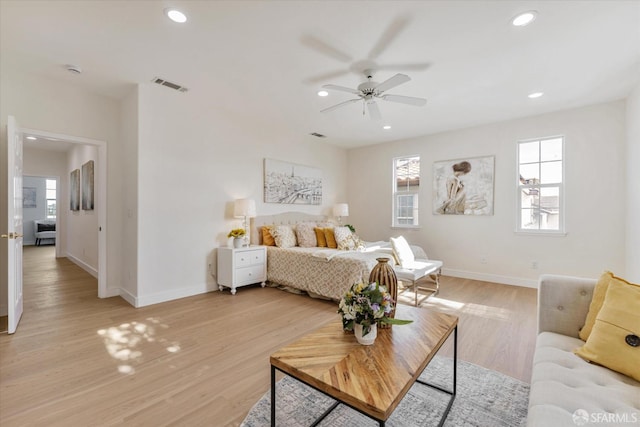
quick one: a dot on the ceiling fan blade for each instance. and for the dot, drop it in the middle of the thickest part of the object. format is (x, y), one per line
(342, 89)
(374, 111)
(389, 35)
(325, 48)
(417, 66)
(342, 104)
(410, 100)
(394, 81)
(326, 76)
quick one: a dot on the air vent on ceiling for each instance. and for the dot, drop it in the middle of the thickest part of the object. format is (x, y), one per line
(168, 84)
(319, 135)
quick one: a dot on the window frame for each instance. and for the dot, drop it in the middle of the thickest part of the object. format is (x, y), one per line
(561, 231)
(395, 193)
(46, 189)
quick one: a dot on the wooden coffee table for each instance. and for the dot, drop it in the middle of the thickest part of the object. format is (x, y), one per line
(370, 379)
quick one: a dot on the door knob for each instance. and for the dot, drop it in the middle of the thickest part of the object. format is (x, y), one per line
(11, 236)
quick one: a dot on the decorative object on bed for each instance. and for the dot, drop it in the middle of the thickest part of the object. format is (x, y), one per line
(238, 235)
(244, 208)
(305, 235)
(284, 236)
(384, 275)
(463, 186)
(291, 184)
(74, 190)
(267, 237)
(344, 239)
(367, 306)
(340, 210)
(330, 237)
(320, 239)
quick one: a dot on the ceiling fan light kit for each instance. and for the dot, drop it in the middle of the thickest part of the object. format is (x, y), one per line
(369, 92)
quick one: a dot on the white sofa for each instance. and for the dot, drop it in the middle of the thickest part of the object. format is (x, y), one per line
(565, 389)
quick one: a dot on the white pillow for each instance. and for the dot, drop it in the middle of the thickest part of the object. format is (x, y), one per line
(402, 251)
(305, 235)
(344, 238)
(284, 236)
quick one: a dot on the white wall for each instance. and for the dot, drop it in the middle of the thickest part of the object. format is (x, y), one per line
(633, 187)
(58, 107)
(194, 160)
(82, 225)
(595, 191)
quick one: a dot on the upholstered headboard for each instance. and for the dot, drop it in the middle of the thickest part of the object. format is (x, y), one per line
(285, 218)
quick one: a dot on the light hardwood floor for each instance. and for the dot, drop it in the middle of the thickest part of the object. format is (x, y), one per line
(83, 361)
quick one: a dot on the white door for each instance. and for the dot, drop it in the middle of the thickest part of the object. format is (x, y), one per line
(14, 215)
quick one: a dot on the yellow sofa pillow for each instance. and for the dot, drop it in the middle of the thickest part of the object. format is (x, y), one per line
(599, 293)
(614, 341)
(331, 238)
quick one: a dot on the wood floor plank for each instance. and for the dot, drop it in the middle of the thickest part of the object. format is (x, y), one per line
(80, 360)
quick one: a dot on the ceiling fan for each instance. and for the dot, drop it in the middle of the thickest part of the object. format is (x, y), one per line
(369, 92)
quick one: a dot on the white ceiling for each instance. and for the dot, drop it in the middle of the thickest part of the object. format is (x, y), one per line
(264, 60)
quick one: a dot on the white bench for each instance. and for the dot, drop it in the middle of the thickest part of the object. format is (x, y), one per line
(412, 272)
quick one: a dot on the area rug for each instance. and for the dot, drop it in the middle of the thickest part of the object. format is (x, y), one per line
(484, 398)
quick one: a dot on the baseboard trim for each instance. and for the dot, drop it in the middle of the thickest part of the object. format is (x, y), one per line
(128, 297)
(505, 280)
(83, 265)
(174, 294)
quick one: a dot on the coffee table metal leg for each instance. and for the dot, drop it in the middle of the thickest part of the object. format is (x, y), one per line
(452, 392)
(273, 396)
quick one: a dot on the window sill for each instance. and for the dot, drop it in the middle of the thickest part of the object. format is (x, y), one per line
(541, 233)
(405, 227)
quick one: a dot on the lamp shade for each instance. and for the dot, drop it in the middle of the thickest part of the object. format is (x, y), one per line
(244, 207)
(341, 209)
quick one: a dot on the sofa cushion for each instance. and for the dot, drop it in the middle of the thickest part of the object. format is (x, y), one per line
(562, 383)
(615, 339)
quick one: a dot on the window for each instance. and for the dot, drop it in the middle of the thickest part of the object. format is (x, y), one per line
(540, 185)
(406, 184)
(50, 185)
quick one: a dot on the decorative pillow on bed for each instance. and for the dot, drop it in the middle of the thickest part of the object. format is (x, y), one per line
(402, 251)
(267, 238)
(305, 235)
(344, 239)
(331, 238)
(284, 236)
(320, 239)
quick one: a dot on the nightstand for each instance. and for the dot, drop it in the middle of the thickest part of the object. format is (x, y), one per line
(242, 266)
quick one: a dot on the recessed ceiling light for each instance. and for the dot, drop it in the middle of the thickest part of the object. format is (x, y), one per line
(175, 15)
(323, 93)
(32, 138)
(524, 18)
(535, 95)
(386, 127)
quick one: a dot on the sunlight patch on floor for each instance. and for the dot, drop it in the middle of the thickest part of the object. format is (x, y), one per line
(124, 342)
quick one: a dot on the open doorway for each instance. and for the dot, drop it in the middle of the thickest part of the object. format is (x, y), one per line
(39, 210)
(80, 232)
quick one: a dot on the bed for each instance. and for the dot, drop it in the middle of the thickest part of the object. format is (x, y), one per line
(319, 271)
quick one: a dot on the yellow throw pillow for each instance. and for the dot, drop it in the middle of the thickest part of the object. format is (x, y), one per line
(599, 293)
(331, 238)
(614, 341)
(267, 238)
(322, 241)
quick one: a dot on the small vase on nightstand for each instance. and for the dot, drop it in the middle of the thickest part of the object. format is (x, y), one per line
(238, 242)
